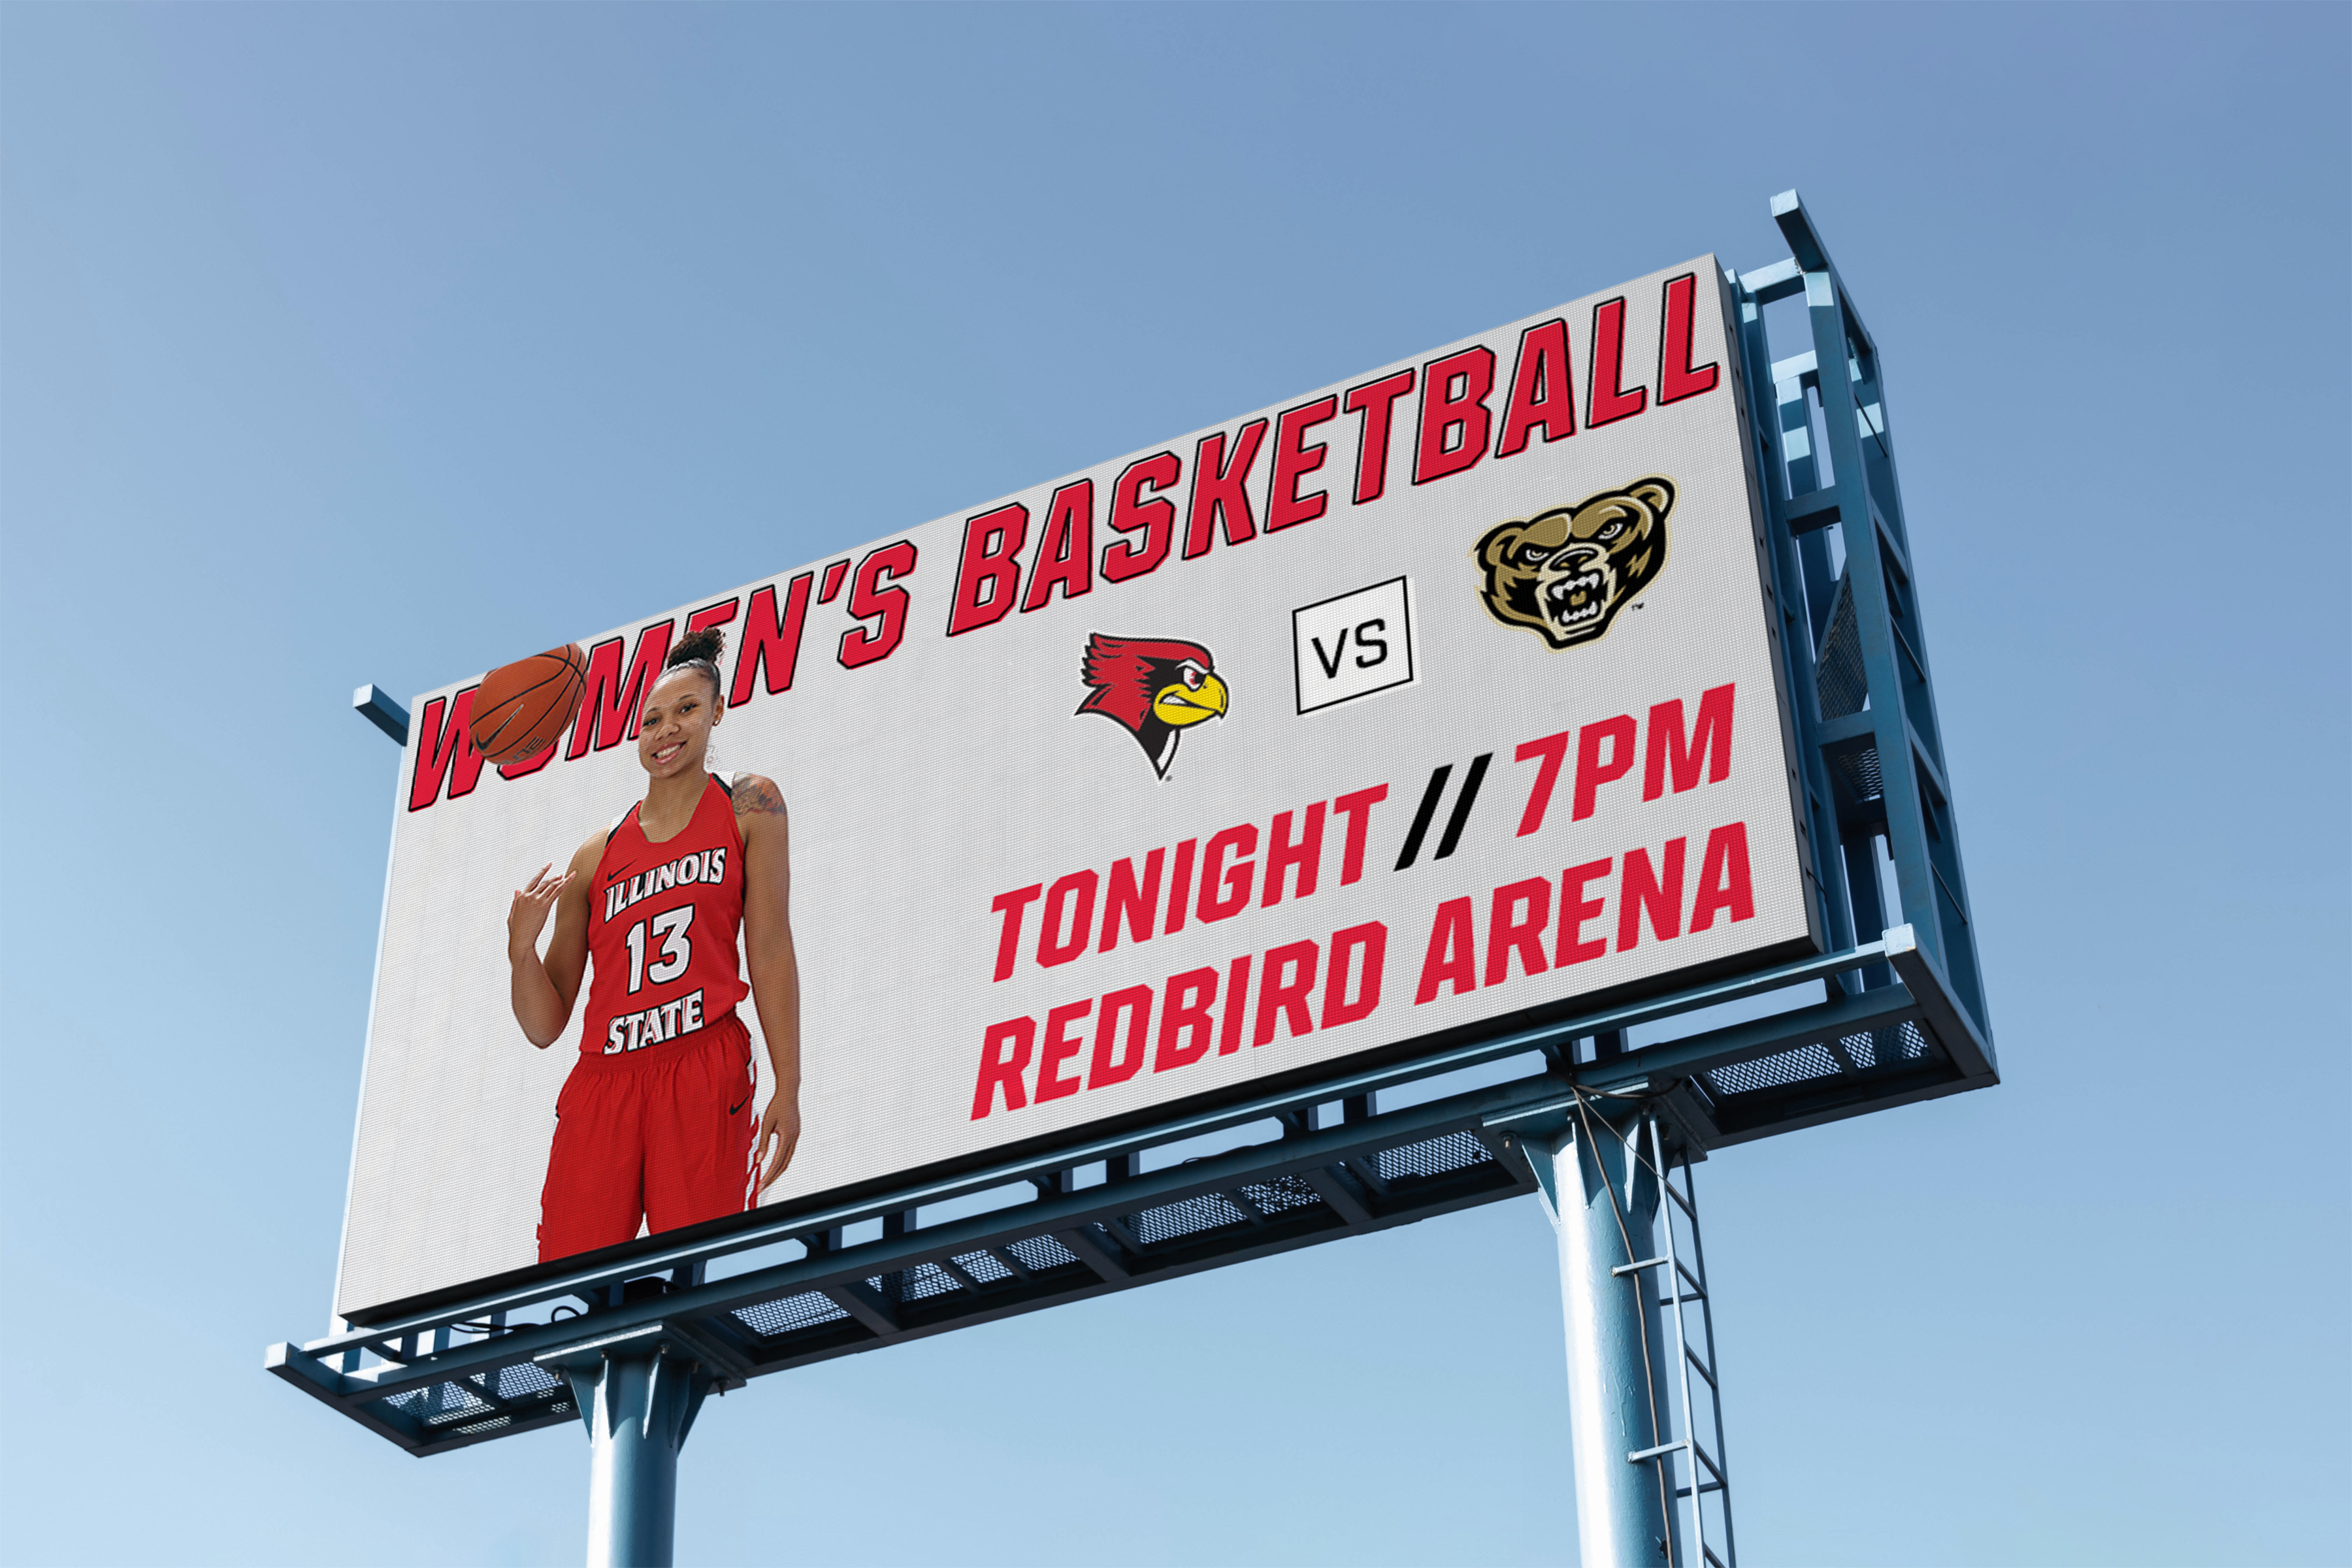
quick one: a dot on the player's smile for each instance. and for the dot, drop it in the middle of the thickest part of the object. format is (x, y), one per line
(662, 749)
(674, 729)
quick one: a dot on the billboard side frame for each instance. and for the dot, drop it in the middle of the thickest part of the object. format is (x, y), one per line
(1827, 907)
(1914, 808)
(406, 735)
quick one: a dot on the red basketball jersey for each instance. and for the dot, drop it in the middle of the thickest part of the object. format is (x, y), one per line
(662, 925)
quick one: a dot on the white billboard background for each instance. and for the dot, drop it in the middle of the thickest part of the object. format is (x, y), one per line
(924, 786)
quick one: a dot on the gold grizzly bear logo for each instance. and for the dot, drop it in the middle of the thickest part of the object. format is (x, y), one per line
(1565, 572)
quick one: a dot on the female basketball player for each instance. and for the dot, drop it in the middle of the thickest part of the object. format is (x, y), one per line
(655, 1122)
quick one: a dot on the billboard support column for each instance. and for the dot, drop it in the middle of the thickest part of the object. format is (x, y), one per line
(1603, 1201)
(638, 1399)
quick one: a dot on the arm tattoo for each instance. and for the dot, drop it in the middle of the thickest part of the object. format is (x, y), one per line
(757, 796)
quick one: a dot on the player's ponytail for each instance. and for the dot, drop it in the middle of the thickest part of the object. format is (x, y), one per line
(699, 651)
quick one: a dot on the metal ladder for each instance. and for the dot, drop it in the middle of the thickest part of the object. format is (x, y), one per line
(1695, 1473)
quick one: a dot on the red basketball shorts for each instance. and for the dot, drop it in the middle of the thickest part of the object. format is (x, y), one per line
(661, 1135)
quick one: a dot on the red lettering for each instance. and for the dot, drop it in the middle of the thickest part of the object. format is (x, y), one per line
(1289, 981)
(1608, 400)
(445, 753)
(871, 600)
(1643, 888)
(1060, 1047)
(1130, 513)
(1008, 941)
(1453, 956)
(999, 1067)
(1053, 946)
(1137, 905)
(1066, 550)
(1281, 855)
(1677, 377)
(1111, 1065)
(1551, 750)
(1374, 404)
(1576, 909)
(608, 711)
(1709, 741)
(992, 541)
(1293, 461)
(1543, 393)
(1190, 995)
(771, 643)
(1522, 914)
(1370, 943)
(1219, 490)
(1216, 905)
(1453, 417)
(1179, 888)
(1358, 809)
(1237, 980)
(1723, 881)
(1592, 770)
(717, 615)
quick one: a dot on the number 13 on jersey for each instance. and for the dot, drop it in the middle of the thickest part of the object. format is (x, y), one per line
(677, 953)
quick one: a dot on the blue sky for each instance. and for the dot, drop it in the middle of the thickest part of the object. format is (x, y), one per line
(361, 343)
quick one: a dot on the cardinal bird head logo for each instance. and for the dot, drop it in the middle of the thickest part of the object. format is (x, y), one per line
(1157, 687)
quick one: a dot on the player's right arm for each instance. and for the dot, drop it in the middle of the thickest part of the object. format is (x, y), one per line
(544, 988)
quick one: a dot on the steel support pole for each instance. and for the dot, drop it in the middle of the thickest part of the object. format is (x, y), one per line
(1603, 1204)
(639, 1404)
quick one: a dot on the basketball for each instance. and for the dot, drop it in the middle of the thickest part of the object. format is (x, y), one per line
(522, 707)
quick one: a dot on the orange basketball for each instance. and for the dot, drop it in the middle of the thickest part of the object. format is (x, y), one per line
(522, 707)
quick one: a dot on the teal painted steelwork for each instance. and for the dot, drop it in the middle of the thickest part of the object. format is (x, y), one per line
(1603, 1204)
(637, 1393)
(376, 705)
(1894, 742)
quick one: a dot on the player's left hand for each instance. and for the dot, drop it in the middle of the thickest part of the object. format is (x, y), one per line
(780, 1122)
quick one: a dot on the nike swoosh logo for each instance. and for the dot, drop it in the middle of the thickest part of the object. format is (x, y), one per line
(736, 1106)
(618, 875)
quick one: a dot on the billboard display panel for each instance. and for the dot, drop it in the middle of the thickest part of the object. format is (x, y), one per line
(1404, 710)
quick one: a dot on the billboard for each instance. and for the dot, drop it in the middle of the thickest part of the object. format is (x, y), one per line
(1409, 709)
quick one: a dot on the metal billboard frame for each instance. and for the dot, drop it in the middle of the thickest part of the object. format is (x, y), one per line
(1900, 1018)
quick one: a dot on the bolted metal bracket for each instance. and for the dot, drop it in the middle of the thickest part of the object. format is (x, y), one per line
(696, 1353)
